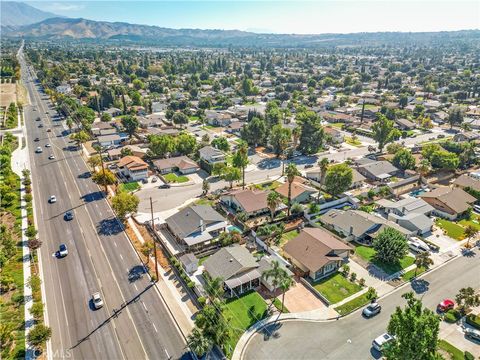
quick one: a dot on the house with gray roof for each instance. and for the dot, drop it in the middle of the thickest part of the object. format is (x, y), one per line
(237, 268)
(378, 170)
(211, 155)
(196, 226)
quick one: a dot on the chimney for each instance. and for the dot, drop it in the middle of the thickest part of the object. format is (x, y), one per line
(351, 230)
(202, 225)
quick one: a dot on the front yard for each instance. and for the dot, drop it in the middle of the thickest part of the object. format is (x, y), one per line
(451, 229)
(174, 178)
(353, 304)
(241, 313)
(336, 287)
(368, 254)
(130, 186)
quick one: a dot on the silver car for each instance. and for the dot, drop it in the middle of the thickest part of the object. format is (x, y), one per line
(472, 334)
(97, 300)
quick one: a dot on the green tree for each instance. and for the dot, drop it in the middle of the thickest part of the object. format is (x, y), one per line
(130, 124)
(279, 139)
(384, 131)
(273, 202)
(124, 203)
(280, 279)
(39, 335)
(338, 179)
(247, 87)
(291, 171)
(104, 177)
(213, 325)
(312, 134)
(69, 123)
(231, 174)
(218, 168)
(185, 143)
(470, 233)
(416, 332)
(423, 260)
(199, 343)
(467, 298)
(179, 118)
(161, 145)
(240, 160)
(404, 159)
(390, 246)
(423, 169)
(255, 131)
(106, 117)
(80, 137)
(205, 186)
(221, 143)
(455, 116)
(94, 161)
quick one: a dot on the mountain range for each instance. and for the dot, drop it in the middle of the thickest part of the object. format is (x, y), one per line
(52, 27)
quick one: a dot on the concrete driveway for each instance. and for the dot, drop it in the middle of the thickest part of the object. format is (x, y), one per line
(299, 299)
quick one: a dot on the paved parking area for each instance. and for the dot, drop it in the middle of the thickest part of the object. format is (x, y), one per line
(454, 334)
(298, 299)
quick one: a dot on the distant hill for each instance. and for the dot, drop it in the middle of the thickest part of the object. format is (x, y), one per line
(83, 29)
(17, 14)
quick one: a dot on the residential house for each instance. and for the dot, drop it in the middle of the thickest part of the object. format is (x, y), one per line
(113, 111)
(358, 225)
(111, 140)
(378, 170)
(218, 118)
(196, 226)
(467, 181)
(300, 191)
(133, 168)
(251, 202)
(237, 268)
(235, 127)
(182, 164)
(99, 126)
(405, 124)
(403, 186)
(317, 253)
(450, 203)
(189, 262)
(357, 178)
(64, 89)
(336, 136)
(211, 155)
(467, 136)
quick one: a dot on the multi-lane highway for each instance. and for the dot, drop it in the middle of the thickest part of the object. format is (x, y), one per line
(134, 322)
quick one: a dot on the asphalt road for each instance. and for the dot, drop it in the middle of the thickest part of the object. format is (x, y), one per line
(134, 323)
(351, 337)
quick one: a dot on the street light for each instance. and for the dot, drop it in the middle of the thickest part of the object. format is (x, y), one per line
(154, 242)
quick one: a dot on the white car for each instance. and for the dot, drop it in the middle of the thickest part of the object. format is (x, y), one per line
(97, 300)
(62, 250)
(380, 342)
(53, 199)
(51, 157)
(48, 145)
(38, 150)
(418, 245)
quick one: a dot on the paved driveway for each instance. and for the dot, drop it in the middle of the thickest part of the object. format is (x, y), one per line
(298, 299)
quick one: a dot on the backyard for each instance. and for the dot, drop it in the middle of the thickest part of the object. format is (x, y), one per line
(241, 313)
(368, 254)
(174, 178)
(286, 237)
(336, 287)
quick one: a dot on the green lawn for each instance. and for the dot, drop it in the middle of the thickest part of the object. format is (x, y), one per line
(353, 304)
(353, 142)
(193, 118)
(337, 125)
(278, 305)
(205, 202)
(130, 186)
(202, 259)
(368, 254)
(453, 230)
(286, 237)
(174, 178)
(410, 274)
(336, 288)
(241, 313)
(455, 354)
(475, 222)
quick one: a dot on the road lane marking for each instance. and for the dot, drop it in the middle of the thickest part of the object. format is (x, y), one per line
(135, 286)
(144, 306)
(121, 257)
(154, 327)
(115, 243)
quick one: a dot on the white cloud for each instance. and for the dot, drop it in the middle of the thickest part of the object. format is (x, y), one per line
(65, 7)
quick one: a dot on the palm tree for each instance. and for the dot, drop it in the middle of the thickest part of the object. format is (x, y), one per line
(280, 280)
(199, 343)
(296, 135)
(273, 201)
(323, 164)
(470, 233)
(423, 169)
(240, 160)
(423, 260)
(291, 172)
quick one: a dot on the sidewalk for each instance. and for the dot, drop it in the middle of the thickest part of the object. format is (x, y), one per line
(176, 302)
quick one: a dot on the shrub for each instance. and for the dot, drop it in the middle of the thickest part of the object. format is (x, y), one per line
(468, 356)
(37, 310)
(28, 197)
(345, 270)
(353, 277)
(202, 301)
(39, 335)
(31, 232)
(452, 316)
(18, 298)
(191, 284)
(361, 282)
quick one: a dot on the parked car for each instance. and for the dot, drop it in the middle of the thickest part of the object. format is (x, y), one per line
(446, 305)
(40, 126)
(440, 136)
(380, 342)
(476, 208)
(144, 181)
(48, 145)
(62, 250)
(38, 117)
(418, 246)
(154, 179)
(36, 139)
(372, 310)
(52, 199)
(97, 300)
(38, 150)
(308, 166)
(164, 186)
(473, 334)
(51, 157)
(68, 215)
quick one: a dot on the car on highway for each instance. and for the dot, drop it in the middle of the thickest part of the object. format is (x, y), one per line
(446, 305)
(164, 186)
(36, 139)
(48, 145)
(52, 199)
(68, 215)
(97, 300)
(372, 310)
(38, 150)
(62, 250)
(38, 118)
(473, 334)
(51, 157)
(380, 342)
(40, 126)
(49, 130)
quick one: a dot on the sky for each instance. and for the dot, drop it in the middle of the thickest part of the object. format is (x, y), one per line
(294, 16)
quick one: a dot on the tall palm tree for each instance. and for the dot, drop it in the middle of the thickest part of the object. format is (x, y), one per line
(240, 160)
(296, 135)
(199, 343)
(323, 164)
(423, 260)
(470, 233)
(291, 171)
(423, 169)
(273, 201)
(280, 279)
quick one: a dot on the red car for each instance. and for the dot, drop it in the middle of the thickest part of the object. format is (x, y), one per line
(446, 305)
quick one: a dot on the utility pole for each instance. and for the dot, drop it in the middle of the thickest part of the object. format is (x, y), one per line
(99, 150)
(154, 242)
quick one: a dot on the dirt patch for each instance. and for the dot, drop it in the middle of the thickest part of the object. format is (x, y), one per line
(162, 258)
(8, 94)
(8, 219)
(22, 95)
